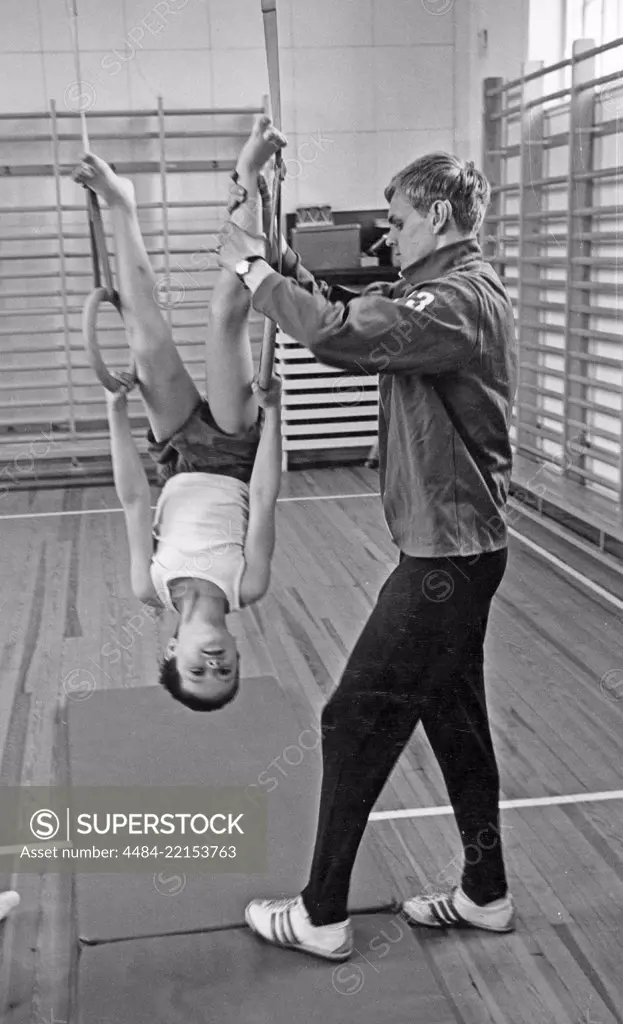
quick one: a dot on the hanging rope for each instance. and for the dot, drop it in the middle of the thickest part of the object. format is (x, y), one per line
(102, 292)
(271, 38)
(73, 24)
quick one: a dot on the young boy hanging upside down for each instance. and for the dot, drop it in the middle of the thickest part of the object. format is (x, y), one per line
(208, 551)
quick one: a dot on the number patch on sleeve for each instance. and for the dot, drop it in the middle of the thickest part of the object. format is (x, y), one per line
(420, 301)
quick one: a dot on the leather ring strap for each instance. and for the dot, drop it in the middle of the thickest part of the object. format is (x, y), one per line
(271, 38)
(237, 203)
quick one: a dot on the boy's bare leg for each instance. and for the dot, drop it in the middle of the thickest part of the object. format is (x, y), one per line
(228, 349)
(168, 391)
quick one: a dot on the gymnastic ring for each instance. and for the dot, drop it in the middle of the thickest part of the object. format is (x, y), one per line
(89, 330)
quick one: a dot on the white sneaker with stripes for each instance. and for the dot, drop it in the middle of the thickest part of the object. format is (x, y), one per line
(286, 923)
(8, 901)
(456, 910)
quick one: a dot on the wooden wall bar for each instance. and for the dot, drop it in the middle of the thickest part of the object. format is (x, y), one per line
(569, 410)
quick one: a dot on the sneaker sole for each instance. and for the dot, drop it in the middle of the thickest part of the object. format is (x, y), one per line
(460, 925)
(300, 948)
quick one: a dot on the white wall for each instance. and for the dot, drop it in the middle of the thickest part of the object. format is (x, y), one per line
(367, 85)
(492, 41)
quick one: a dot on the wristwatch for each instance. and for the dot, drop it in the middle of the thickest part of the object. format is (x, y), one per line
(243, 266)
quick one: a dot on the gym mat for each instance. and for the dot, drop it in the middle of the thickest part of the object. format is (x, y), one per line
(142, 737)
(235, 978)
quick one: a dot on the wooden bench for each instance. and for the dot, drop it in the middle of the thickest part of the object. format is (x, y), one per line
(579, 509)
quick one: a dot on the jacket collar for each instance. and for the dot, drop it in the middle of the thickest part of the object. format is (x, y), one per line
(441, 261)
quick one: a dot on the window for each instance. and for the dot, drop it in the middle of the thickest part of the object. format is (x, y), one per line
(556, 24)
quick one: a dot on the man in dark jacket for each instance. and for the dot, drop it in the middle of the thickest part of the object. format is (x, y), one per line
(442, 341)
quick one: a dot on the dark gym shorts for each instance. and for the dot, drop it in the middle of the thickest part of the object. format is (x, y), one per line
(200, 446)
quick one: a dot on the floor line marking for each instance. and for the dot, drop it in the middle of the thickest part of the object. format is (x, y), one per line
(535, 801)
(105, 511)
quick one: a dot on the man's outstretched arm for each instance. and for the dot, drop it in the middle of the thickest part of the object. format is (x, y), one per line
(433, 330)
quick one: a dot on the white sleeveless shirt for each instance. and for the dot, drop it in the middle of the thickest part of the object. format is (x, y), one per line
(200, 525)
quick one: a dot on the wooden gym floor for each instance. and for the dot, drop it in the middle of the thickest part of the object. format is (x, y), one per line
(555, 679)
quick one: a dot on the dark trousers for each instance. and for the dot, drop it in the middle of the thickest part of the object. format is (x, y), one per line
(419, 658)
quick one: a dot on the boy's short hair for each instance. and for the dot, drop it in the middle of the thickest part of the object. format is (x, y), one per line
(443, 176)
(172, 681)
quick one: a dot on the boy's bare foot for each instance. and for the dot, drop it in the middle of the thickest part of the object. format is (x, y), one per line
(262, 144)
(95, 174)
